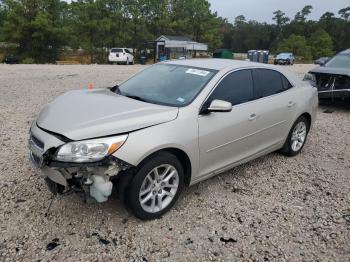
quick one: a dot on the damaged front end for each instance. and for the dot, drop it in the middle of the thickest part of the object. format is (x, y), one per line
(333, 85)
(77, 166)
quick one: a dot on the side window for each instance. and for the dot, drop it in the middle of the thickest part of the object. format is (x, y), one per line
(127, 51)
(286, 84)
(236, 87)
(267, 82)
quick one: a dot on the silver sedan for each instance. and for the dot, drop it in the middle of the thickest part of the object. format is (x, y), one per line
(172, 125)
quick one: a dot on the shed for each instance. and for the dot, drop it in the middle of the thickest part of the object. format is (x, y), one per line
(175, 47)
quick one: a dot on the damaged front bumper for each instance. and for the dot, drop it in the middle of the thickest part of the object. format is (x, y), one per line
(94, 179)
(335, 93)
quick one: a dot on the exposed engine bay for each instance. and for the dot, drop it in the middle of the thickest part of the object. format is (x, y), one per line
(332, 85)
(95, 181)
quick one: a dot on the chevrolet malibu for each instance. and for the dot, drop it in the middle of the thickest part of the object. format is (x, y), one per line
(172, 125)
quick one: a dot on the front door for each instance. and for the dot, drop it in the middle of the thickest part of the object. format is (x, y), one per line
(228, 137)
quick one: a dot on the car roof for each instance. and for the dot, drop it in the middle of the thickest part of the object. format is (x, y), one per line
(217, 63)
(345, 52)
(230, 64)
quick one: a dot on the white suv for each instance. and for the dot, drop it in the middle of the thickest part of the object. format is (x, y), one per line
(120, 55)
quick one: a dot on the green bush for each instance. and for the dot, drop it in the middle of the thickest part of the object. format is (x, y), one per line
(28, 60)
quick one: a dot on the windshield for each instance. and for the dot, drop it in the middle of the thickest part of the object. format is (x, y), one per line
(167, 84)
(116, 50)
(340, 61)
(283, 55)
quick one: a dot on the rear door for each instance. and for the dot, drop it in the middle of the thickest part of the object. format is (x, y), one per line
(276, 105)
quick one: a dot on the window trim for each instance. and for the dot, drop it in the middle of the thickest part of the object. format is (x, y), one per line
(223, 78)
(281, 74)
(202, 109)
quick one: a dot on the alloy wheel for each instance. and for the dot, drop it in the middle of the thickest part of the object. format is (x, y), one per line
(298, 136)
(159, 188)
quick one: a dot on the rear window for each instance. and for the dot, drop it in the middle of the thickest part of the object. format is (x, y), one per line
(116, 50)
(267, 82)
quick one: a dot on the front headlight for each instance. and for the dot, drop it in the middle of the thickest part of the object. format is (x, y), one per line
(89, 150)
(311, 78)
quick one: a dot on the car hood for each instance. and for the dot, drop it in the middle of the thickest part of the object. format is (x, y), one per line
(85, 114)
(331, 70)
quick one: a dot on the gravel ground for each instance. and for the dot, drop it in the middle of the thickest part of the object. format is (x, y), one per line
(273, 208)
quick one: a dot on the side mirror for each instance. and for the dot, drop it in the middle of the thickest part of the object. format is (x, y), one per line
(219, 106)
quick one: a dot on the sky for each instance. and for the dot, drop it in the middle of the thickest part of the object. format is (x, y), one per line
(261, 10)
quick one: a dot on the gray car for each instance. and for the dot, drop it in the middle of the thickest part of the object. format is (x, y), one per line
(333, 78)
(172, 125)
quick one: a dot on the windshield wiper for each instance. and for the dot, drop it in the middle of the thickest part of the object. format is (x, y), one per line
(136, 98)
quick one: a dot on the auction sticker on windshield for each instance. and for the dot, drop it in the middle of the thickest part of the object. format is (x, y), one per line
(198, 72)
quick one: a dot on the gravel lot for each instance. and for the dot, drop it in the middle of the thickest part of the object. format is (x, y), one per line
(274, 208)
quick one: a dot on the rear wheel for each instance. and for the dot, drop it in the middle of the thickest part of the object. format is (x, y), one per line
(297, 137)
(156, 186)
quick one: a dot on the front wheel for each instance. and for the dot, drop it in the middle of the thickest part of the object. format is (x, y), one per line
(156, 186)
(297, 137)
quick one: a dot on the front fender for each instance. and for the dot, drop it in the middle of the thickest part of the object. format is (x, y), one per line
(181, 133)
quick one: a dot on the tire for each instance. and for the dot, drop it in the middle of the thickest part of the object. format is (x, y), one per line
(145, 180)
(291, 147)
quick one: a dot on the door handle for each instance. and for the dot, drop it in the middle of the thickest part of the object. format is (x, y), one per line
(291, 103)
(252, 117)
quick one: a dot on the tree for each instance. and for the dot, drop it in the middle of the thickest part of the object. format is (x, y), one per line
(41, 29)
(345, 13)
(327, 16)
(280, 18)
(297, 45)
(239, 20)
(36, 27)
(321, 44)
(2, 18)
(195, 19)
(303, 14)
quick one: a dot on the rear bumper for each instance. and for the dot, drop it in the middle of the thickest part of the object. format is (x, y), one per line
(336, 93)
(117, 59)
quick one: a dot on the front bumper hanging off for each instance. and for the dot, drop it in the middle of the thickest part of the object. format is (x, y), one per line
(94, 179)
